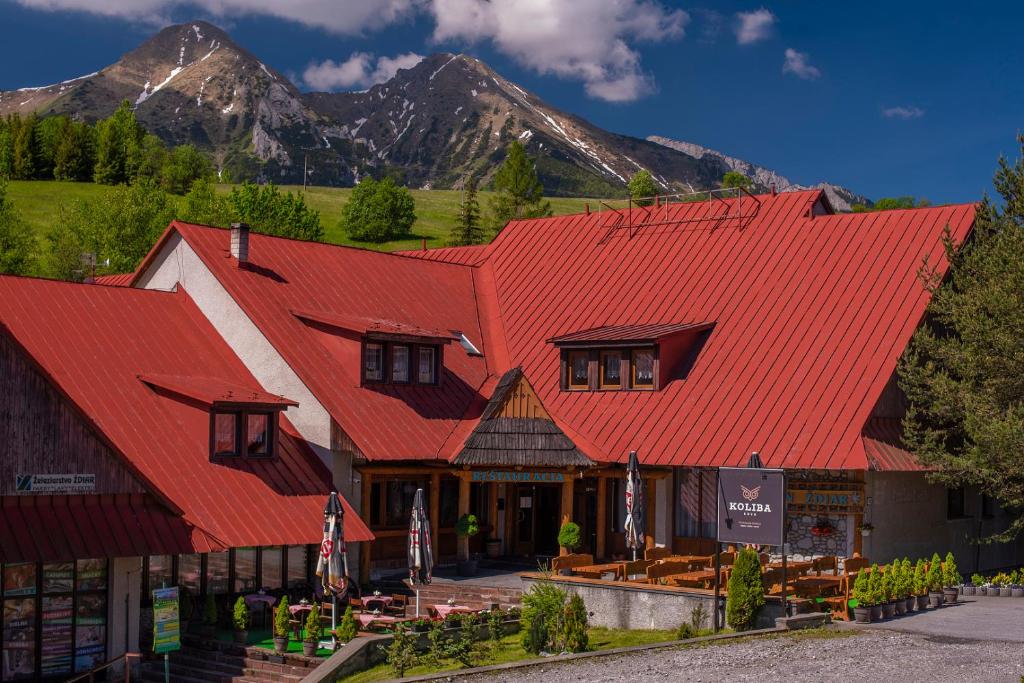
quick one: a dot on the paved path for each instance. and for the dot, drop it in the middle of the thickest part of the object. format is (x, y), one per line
(870, 655)
(974, 618)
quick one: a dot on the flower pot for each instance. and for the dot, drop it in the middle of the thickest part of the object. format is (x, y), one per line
(865, 532)
(900, 607)
(888, 610)
(309, 648)
(241, 637)
(949, 595)
(1005, 591)
(935, 598)
(909, 604)
(862, 615)
(467, 567)
(493, 548)
(1017, 592)
(981, 591)
(922, 602)
(876, 612)
(280, 645)
(968, 590)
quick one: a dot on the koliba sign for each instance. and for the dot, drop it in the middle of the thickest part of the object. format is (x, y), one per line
(520, 477)
(54, 483)
(751, 505)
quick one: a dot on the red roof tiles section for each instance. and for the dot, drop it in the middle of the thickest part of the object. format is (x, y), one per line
(211, 391)
(94, 342)
(472, 255)
(884, 449)
(373, 326)
(629, 333)
(387, 422)
(116, 280)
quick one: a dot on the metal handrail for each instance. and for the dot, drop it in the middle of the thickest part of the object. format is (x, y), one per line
(625, 219)
(90, 675)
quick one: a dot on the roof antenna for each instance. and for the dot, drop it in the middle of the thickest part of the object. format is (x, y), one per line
(755, 461)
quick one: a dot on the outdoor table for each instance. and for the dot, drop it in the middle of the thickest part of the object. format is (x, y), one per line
(703, 576)
(444, 610)
(254, 599)
(596, 571)
(296, 610)
(792, 566)
(381, 600)
(366, 618)
(814, 586)
(689, 558)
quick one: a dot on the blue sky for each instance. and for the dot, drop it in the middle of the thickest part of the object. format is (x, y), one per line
(914, 98)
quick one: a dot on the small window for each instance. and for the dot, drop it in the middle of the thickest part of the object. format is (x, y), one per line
(225, 433)
(373, 362)
(642, 368)
(427, 373)
(611, 369)
(257, 439)
(399, 363)
(579, 369)
(956, 503)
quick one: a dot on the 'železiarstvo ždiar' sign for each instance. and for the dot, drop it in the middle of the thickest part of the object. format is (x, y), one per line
(54, 483)
(166, 621)
(751, 506)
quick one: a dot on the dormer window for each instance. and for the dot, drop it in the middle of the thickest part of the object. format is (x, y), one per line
(387, 362)
(427, 372)
(579, 370)
(244, 433)
(373, 362)
(610, 370)
(399, 364)
(642, 368)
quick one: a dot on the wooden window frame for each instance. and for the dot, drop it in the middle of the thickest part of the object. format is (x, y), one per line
(433, 364)
(387, 363)
(570, 354)
(601, 383)
(241, 430)
(383, 370)
(408, 363)
(653, 386)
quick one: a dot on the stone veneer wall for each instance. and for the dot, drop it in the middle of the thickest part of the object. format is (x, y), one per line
(803, 545)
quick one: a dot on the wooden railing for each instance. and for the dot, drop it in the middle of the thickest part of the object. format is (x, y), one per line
(90, 675)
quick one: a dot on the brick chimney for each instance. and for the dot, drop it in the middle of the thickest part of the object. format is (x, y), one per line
(240, 242)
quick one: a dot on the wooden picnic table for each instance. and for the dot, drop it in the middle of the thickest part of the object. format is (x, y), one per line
(803, 566)
(443, 611)
(365, 619)
(707, 559)
(596, 571)
(702, 576)
(815, 586)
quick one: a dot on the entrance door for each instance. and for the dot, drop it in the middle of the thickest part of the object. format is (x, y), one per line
(537, 519)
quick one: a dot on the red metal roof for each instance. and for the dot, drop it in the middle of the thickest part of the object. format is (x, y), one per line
(212, 391)
(472, 255)
(387, 422)
(629, 333)
(883, 446)
(373, 326)
(94, 342)
(116, 280)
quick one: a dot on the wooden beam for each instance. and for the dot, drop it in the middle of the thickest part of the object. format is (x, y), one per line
(652, 514)
(568, 487)
(364, 549)
(602, 514)
(492, 509)
(435, 514)
(463, 543)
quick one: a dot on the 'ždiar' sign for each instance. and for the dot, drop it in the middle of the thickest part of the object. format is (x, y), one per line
(521, 477)
(751, 505)
(54, 483)
(813, 498)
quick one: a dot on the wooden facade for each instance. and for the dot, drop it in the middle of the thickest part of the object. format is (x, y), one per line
(42, 432)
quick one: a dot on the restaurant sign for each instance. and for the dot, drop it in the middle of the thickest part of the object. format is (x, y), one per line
(519, 477)
(816, 498)
(751, 505)
(166, 624)
(54, 483)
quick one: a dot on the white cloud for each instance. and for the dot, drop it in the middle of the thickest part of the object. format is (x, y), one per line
(358, 70)
(573, 39)
(798, 64)
(755, 26)
(905, 113)
(349, 17)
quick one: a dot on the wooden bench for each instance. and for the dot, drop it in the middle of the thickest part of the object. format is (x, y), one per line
(569, 561)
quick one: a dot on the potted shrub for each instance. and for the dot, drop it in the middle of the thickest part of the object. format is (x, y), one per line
(877, 591)
(977, 582)
(920, 585)
(281, 627)
(899, 596)
(313, 632)
(951, 579)
(1017, 584)
(1001, 583)
(209, 627)
(570, 537)
(907, 574)
(240, 620)
(861, 599)
(347, 627)
(935, 580)
(866, 529)
(889, 592)
(467, 527)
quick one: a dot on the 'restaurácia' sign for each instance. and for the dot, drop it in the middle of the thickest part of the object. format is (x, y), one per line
(519, 477)
(751, 505)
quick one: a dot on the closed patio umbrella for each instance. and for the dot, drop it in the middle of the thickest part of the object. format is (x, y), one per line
(332, 565)
(634, 526)
(421, 557)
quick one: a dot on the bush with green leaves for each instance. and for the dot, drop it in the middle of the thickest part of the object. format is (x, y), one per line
(575, 625)
(686, 631)
(17, 242)
(977, 580)
(906, 587)
(467, 526)
(746, 591)
(402, 651)
(950, 574)
(861, 592)
(314, 629)
(378, 211)
(570, 537)
(934, 576)
(642, 188)
(436, 651)
(876, 587)
(920, 578)
(210, 610)
(240, 615)
(699, 617)
(889, 583)
(462, 648)
(269, 211)
(495, 619)
(347, 627)
(282, 628)
(543, 614)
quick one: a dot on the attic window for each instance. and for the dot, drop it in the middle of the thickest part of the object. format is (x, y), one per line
(386, 362)
(642, 366)
(243, 433)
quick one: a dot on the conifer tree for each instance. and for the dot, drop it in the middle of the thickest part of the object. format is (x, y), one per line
(468, 230)
(519, 193)
(118, 146)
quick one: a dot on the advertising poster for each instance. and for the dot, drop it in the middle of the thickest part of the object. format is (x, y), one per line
(92, 575)
(90, 631)
(166, 626)
(20, 579)
(57, 577)
(55, 652)
(19, 639)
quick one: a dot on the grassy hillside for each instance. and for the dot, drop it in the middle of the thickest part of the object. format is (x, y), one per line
(39, 202)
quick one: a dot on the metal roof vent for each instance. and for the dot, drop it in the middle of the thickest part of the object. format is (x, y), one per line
(240, 242)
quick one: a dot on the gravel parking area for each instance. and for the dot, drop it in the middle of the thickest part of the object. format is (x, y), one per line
(868, 655)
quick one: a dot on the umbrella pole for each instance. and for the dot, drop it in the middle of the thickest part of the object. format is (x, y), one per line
(334, 619)
(417, 602)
